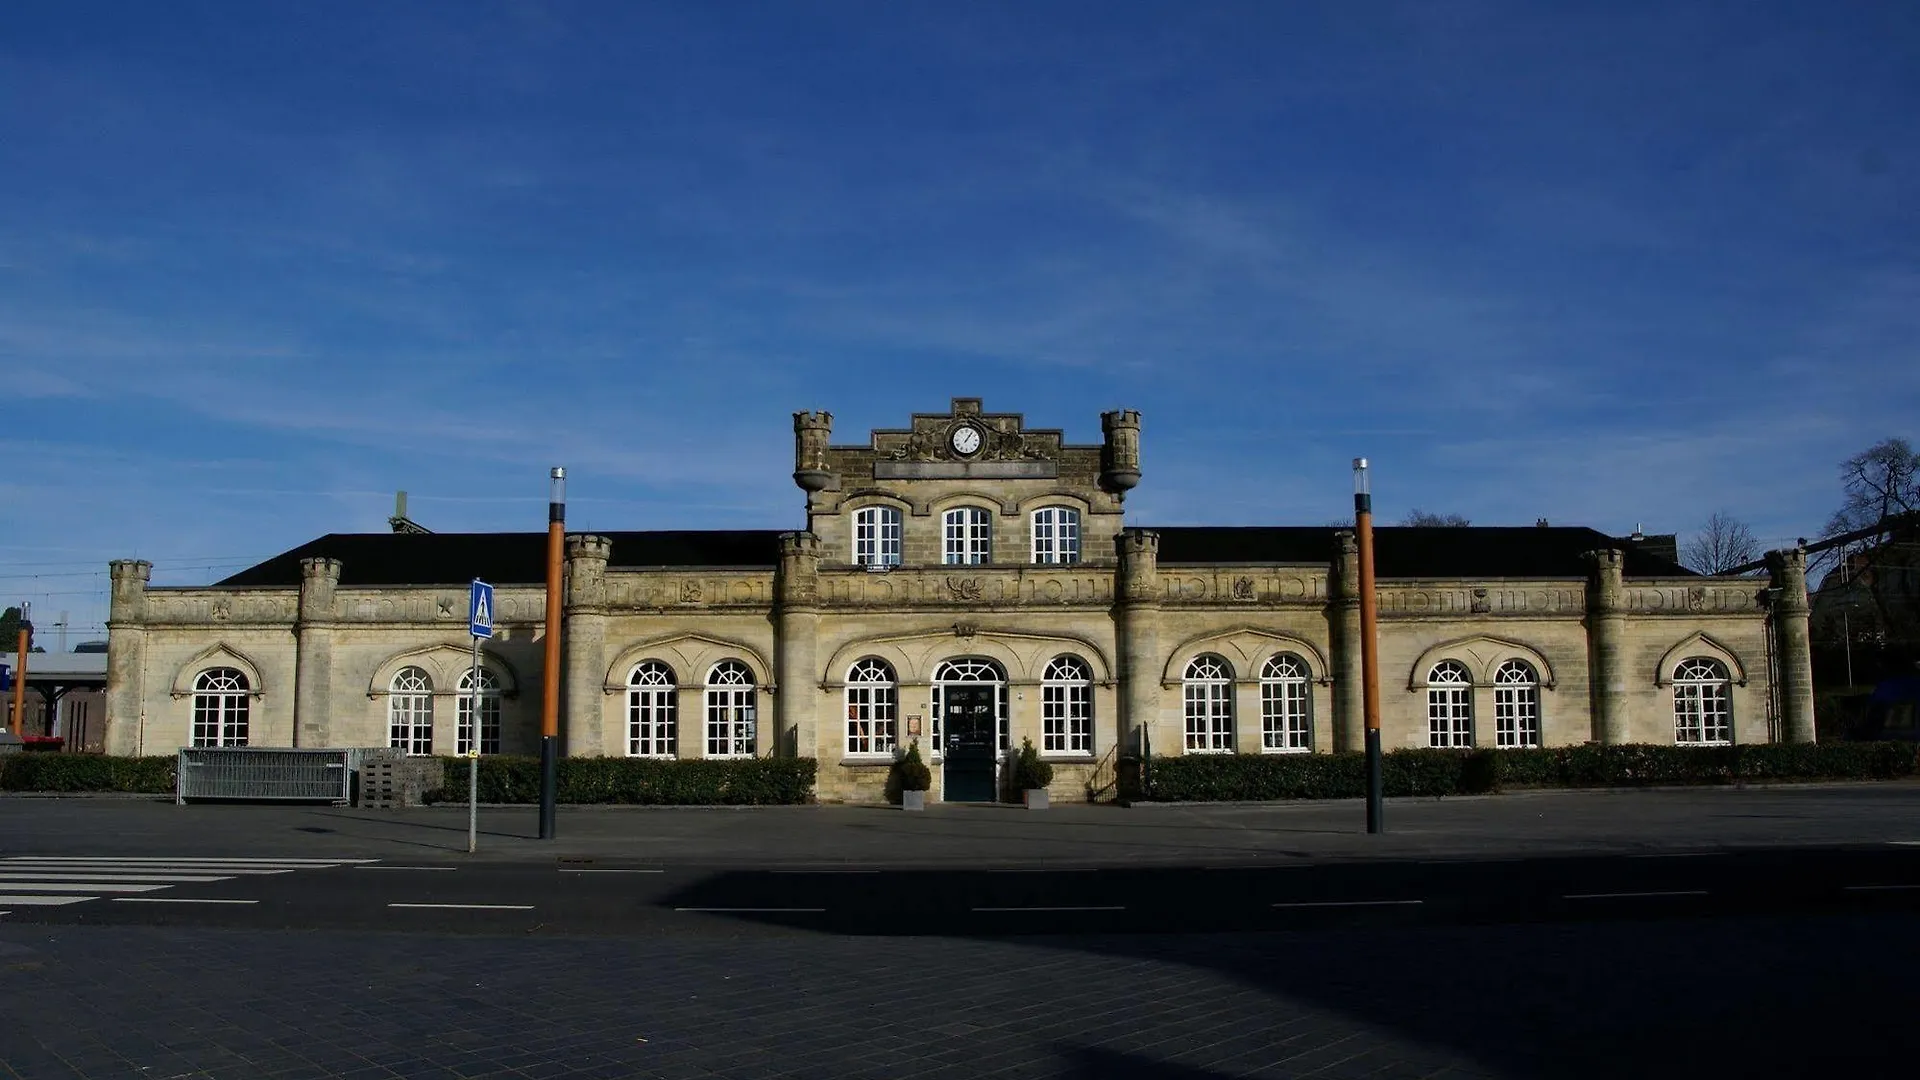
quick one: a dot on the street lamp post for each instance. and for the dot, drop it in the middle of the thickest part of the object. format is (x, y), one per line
(1369, 641)
(550, 683)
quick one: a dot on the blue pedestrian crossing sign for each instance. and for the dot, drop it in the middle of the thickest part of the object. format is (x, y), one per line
(480, 609)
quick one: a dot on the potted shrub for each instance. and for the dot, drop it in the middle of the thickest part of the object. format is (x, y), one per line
(1031, 776)
(914, 779)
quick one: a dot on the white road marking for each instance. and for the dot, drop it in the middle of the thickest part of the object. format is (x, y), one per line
(169, 878)
(1679, 855)
(1905, 843)
(176, 900)
(1877, 888)
(1632, 895)
(45, 901)
(753, 909)
(1045, 870)
(447, 868)
(1090, 907)
(471, 906)
(814, 871)
(1348, 903)
(88, 886)
(70, 869)
(192, 859)
(610, 870)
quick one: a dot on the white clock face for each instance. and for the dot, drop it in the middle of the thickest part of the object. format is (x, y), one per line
(966, 440)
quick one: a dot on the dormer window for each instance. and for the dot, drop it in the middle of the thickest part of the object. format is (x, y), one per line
(876, 536)
(1056, 535)
(968, 537)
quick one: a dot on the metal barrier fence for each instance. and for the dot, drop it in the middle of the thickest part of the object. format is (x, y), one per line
(262, 772)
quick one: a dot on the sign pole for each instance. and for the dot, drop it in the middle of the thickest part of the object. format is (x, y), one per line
(480, 625)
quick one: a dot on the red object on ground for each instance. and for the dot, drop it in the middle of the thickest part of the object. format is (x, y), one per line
(43, 742)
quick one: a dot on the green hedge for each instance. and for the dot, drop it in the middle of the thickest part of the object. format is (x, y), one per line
(1217, 778)
(87, 772)
(638, 781)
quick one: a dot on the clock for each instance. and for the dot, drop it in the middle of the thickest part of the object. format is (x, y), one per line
(964, 440)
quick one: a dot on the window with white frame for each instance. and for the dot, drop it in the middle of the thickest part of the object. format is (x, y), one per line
(1056, 535)
(1207, 692)
(653, 711)
(970, 670)
(1702, 703)
(876, 536)
(967, 536)
(489, 713)
(1516, 705)
(221, 703)
(730, 710)
(1066, 707)
(1449, 705)
(873, 701)
(1285, 706)
(410, 711)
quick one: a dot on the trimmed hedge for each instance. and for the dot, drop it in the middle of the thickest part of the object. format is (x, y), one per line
(637, 781)
(87, 772)
(1260, 778)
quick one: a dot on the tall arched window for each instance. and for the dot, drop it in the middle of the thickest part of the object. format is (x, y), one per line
(1066, 707)
(653, 710)
(872, 702)
(1056, 535)
(970, 670)
(1449, 705)
(876, 536)
(1208, 695)
(220, 707)
(1285, 710)
(1516, 705)
(1702, 703)
(730, 710)
(410, 711)
(967, 536)
(489, 713)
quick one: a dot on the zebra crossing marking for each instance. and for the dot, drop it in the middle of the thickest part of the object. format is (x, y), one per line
(53, 880)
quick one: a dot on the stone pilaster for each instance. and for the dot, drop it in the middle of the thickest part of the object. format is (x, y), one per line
(126, 656)
(795, 649)
(313, 631)
(1343, 619)
(1606, 647)
(1120, 453)
(585, 659)
(1138, 613)
(1788, 570)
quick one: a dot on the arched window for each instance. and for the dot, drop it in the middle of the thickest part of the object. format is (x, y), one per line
(970, 670)
(1516, 705)
(489, 713)
(653, 711)
(220, 706)
(410, 711)
(872, 702)
(1702, 703)
(876, 536)
(968, 536)
(1208, 695)
(730, 710)
(1066, 707)
(1449, 705)
(1056, 535)
(1285, 706)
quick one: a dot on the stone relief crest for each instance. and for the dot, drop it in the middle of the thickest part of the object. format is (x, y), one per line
(1696, 598)
(964, 588)
(690, 592)
(1243, 588)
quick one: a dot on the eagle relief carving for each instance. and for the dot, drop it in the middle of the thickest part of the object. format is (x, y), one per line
(1243, 588)
(689, 592)
(963, 588)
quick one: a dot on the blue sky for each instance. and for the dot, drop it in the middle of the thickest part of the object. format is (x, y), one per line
(1608, 263)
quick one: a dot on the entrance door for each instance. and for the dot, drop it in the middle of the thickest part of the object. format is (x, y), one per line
(969, 742)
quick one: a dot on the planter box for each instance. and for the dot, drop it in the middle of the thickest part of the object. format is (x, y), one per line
(913, 800)
(1036, 798)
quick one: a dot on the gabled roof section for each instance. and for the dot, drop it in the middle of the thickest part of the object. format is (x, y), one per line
(500, 558)
(1402, 551)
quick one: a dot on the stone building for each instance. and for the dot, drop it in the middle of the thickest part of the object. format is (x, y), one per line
(967, 583)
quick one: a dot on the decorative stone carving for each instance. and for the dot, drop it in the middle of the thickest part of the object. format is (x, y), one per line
(690, 592)
(1243, 588)
(1481, 605)
(964, 588)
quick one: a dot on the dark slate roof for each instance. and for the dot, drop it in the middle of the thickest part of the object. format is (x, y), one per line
(500, 558)
(1418, 552)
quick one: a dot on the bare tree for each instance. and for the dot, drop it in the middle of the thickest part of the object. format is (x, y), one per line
(1422, 519)
(1723, 543)
(1881, 492)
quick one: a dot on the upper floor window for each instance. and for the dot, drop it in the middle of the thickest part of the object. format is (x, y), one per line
(876, 536)
(220, 707)
(1285, 725)
(1449, 705)
(1516, 705)
(1702, 706)
(410, 711)
(1207, 696)
(1056, 535)
(968, 536)
(871, 704)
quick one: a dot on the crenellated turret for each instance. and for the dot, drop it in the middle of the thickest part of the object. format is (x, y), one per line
(1120, 456)
(811, 432)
